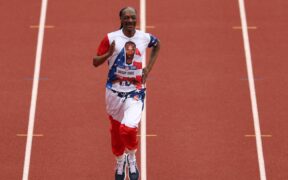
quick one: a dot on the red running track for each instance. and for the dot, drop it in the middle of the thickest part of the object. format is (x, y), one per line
(198, 97)
(17, 55)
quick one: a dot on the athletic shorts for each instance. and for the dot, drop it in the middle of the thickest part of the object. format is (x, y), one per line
(125, 109)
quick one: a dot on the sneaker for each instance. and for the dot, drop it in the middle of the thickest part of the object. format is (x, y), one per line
(133, 169)
(120, 169)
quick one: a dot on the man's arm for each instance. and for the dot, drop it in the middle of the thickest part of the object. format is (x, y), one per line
(152, 60)
(98, 60)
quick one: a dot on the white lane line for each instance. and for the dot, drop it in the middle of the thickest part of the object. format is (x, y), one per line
(143, 119)
(34, 91)
(252, 90)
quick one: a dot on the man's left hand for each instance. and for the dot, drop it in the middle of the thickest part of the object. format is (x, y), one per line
(145, 73)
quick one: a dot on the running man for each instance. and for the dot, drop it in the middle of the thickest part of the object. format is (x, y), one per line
(125, 87)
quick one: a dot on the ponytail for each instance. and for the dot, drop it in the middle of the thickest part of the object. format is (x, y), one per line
(120, 15)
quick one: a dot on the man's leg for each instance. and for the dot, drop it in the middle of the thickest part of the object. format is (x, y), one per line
(128, 132)
(118, 146)
(118, 149)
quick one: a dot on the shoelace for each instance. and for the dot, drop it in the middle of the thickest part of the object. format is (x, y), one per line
(132, 166)
(119, 167)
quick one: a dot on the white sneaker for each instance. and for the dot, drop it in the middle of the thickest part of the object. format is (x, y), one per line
(120, 169)
(133, 169)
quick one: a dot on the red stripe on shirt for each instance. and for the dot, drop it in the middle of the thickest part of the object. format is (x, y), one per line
(104, 46)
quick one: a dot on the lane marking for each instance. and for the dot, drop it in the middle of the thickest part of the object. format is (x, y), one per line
(240, 27)
(143, 119)
(149, 135)
(147, 27)
(34, 135)
(253, 135)
(255, 79)
(34, 91)
(40, 78)
(252, 90)
(46, 26)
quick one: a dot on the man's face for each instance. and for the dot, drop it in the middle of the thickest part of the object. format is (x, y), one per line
(130, 49)
(128, 19)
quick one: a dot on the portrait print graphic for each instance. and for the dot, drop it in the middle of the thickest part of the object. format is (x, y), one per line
(127, 69)
(130, 49)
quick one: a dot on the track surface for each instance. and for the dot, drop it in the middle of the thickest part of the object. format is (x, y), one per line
(198, 96)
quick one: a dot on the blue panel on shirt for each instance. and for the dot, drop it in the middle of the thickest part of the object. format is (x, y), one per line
(153, 41)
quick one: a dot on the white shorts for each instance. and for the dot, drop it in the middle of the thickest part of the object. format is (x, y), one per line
(127, 111)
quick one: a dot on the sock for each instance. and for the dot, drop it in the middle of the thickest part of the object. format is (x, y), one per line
(132, 154)
(120, 158)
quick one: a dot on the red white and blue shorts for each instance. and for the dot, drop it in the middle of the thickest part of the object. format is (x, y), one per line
(126, 108)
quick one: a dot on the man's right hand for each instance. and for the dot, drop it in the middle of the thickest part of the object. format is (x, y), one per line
(111, 48)
(98, 60)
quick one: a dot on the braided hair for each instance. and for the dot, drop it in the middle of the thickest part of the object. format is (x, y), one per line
(121, 13)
